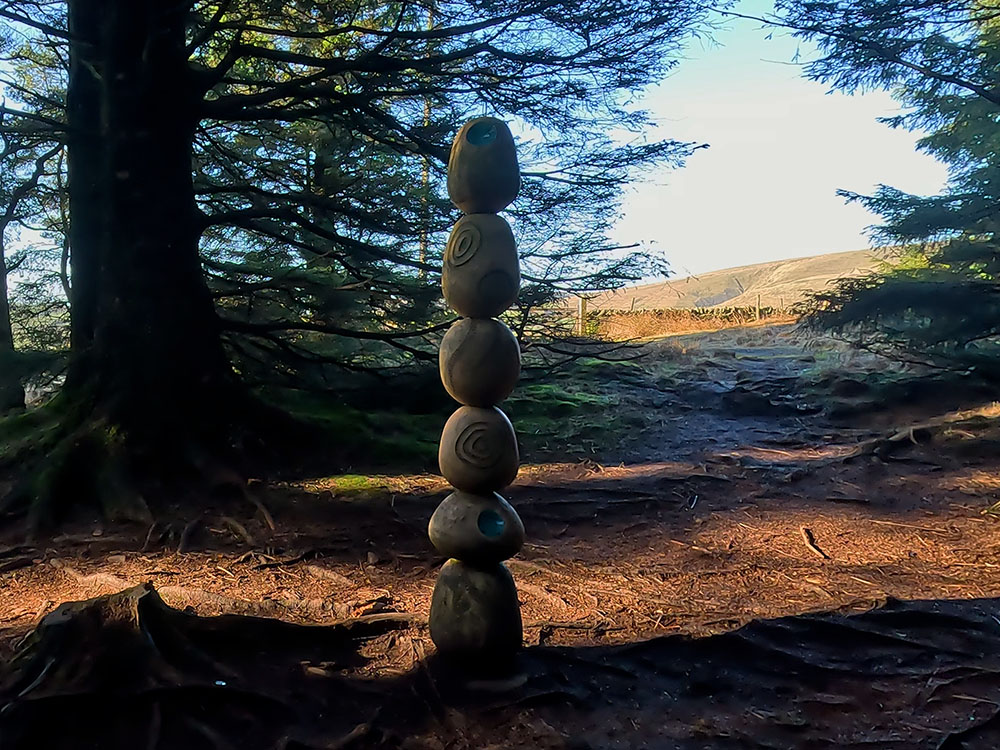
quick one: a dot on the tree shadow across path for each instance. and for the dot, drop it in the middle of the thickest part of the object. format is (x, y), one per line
(129, 672)
(732, 539)
(744, 530)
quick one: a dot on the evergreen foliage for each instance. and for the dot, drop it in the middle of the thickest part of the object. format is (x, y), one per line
(938, 300)
(320, 138)
(240, 194)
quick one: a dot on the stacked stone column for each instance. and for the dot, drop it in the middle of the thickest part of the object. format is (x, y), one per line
(474, 610)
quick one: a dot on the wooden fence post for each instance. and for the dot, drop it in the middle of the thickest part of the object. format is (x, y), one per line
(581, 316)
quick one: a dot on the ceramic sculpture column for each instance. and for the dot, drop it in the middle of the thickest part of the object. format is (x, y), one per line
(475, 611)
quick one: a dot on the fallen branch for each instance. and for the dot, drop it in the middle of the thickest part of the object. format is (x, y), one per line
(264, 512)
(884, 447)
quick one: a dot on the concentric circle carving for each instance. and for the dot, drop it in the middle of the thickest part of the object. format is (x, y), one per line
(463, 244)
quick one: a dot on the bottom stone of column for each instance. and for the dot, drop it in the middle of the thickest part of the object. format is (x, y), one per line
(475, 613)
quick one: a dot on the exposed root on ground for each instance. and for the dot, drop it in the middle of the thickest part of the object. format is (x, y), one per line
(70, 458)
(126, 671)
(964, 423)
(119, 669)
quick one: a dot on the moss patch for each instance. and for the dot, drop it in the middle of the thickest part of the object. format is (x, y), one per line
(577, 413)
(368, 437)
(30, 431)
(574, 413)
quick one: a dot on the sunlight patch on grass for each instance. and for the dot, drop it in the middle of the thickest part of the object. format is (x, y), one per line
(371, 485)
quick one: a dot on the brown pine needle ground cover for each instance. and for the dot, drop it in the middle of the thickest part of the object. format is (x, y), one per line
(769, 476)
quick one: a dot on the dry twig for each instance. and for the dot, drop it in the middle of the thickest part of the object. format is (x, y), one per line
(810, 542)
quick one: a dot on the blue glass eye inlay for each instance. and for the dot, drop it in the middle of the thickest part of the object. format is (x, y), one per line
(491, 524)
(481, 133)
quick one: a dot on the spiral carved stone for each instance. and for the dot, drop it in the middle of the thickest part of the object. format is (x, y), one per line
(483, 174)
(478, 450)
(480, 361)
(481, 273)
(475, 447)
(476, 528)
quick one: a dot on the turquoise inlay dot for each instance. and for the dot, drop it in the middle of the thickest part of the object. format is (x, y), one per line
(482, 133)
(490, 523)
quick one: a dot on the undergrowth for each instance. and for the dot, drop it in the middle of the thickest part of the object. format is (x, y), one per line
(568, 415)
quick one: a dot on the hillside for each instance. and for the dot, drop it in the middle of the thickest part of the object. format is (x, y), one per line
(779, 283)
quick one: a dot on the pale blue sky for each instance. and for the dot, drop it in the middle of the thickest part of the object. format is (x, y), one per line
(780, 147)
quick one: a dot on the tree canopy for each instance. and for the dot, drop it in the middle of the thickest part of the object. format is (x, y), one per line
(247, 192)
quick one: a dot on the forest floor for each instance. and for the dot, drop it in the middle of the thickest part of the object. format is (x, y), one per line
(742, 475)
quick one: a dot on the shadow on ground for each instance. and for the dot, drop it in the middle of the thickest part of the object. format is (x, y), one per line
(733, 511)
(128, 672)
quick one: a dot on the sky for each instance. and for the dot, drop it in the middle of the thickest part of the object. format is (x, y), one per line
(780, 147)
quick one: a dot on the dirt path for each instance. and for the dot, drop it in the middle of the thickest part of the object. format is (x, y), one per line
(731, 504)
(742, 498)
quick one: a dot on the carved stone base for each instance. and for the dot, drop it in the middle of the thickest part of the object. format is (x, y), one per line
(475, 613)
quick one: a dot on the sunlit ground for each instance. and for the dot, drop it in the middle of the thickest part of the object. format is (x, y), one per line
(712, 526)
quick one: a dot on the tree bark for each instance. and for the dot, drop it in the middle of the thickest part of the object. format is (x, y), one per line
(147, 359)
(11, 390)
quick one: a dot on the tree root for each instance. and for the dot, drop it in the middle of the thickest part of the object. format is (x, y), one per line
(71, 456)
(86, 467)
(122, 669)
(884, 447)
(127, 672)
(93, 468)
(966, 423)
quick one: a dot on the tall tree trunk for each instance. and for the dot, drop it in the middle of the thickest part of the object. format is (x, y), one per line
(11, 390)
(147, 361)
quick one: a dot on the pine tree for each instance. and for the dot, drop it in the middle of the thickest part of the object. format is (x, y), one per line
(244, 180)
(940, 301)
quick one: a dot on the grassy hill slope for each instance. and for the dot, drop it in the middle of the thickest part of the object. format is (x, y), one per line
(779, 283)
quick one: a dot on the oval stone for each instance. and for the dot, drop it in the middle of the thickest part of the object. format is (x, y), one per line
(483, 174)
(480, 361)
(478, 450)
(475, 528)
(475, 613)
(481, 272)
